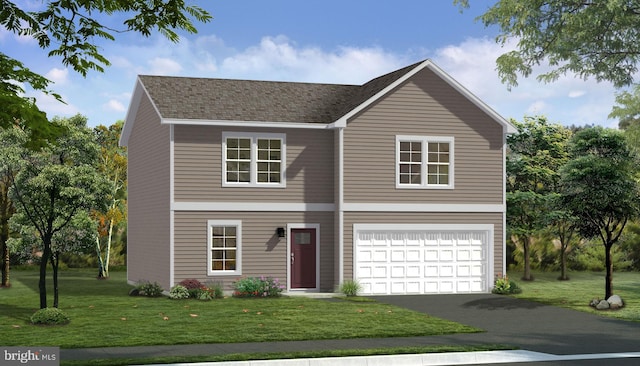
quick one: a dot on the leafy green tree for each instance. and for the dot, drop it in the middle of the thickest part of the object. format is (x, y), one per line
(627, 110)
(70, 29)
(599, 187)
(587, 38)
(563, 226)
(534, 157)
(12, 141)
(56, 184)
(113, 166)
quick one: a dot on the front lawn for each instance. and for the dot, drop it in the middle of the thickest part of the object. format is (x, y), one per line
(103, 315)
(580, 289)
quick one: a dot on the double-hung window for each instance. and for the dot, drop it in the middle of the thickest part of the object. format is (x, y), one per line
(224, 247)
(424, 162)
(253, 159)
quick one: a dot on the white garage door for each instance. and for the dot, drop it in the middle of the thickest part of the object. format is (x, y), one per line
(422, 259)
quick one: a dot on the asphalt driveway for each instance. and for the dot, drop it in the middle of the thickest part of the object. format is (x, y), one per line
(528, 325)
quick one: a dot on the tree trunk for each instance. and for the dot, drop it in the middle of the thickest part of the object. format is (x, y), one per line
(42, 283)
(55, 261)
(526, 243)
(563, 262)
(6, 211)
(609, 267)
(101, 273)
(108, 254)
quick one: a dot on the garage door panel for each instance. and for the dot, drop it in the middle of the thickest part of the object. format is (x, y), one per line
(421, 261)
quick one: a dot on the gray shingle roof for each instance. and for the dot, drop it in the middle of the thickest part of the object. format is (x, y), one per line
(247, 100)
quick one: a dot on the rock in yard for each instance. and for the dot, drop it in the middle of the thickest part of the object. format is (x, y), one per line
(602, 305)
(615, 302)
(594, 302)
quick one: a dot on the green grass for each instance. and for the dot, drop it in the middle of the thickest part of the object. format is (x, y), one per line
(103, 315)
(580, 289)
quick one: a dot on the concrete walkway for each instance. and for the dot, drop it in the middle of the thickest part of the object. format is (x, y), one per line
(535, 328)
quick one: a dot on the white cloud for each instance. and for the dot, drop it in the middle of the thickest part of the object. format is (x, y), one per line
(278, 58)
(58, 76)
(164, 66)
(53, 107)
(568, 100)
(114, 106)
(576, 93)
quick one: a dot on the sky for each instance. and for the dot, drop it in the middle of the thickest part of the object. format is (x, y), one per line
(328, 41)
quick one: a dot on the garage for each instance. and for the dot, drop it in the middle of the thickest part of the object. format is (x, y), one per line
(422, 259)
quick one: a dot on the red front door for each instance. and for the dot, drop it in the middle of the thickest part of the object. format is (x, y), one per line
(303, 258)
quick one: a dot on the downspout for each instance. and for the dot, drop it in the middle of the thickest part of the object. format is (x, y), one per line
(171, 207)
(340, 205)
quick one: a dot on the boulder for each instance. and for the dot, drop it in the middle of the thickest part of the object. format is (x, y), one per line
(594, 302)
(602, 305)
(615, 302)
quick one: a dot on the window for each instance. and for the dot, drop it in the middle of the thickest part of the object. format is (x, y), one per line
(253, 159)
(424, 162)
(224, 247)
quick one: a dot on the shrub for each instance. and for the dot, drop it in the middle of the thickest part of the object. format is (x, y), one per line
(257, 287)
(149, 289)
(216, 289)
(350, 288)
(178, 292)
(191, 284)
(504, 286)
(49, 316)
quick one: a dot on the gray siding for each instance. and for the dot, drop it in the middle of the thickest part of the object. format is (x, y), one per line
(423, 106)
(421, 218)
(263, 252)
(198, 167)
(148, 235)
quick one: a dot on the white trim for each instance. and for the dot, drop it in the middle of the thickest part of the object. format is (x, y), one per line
(255, 136)
(489, 228)
(244, 124)
(238, 225)
(132, 111)
(422, 227)
(303, 226)
(253, 206)
(425, 140)
(504, 213)
(424, 207)
(340, 206)
(171, 212)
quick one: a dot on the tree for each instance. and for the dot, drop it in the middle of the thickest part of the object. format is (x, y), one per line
(534, 157)
(69, 30)
(113, 166)
(12, 141)
(599, 187)
(588, 38)
(563, 226)
(54, 186)
(628, 109)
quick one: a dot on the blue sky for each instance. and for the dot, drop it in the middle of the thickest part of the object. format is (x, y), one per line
(325, 41)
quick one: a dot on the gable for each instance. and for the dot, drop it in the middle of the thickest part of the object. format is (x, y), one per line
(185, 100)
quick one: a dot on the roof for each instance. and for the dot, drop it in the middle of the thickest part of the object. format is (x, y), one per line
(205, 100)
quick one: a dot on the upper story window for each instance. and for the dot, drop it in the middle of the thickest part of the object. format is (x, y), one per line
(424, 162)
(253, 159)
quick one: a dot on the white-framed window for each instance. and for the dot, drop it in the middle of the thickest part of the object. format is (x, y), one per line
(224, 247)
(424, 162)
(253, 159)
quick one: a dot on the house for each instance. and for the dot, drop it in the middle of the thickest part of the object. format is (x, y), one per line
(398, 183)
